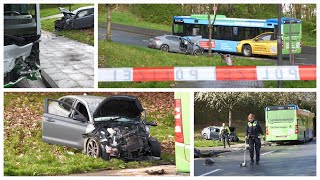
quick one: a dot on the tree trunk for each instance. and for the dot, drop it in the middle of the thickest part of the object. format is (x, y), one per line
(109, 12)
(210, 32)
(230, 116)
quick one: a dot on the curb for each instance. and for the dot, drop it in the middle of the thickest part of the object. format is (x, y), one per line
(47, 80)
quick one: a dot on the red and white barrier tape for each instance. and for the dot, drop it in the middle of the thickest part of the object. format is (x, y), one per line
(231, 73)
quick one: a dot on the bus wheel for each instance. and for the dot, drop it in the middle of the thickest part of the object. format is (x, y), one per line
(164, 48)
(247, 50)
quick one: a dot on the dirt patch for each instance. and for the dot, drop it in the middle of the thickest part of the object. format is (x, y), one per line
(169, 170)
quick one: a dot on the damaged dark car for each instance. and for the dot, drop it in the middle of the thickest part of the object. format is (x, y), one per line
(113, 127)
(78, 19)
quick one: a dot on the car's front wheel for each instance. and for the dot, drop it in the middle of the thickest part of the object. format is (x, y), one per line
(197, 52)
(155, 147)
(247, 50)
(93, 148)
(164, 48)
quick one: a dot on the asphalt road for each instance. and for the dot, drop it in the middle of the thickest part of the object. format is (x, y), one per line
(307, 57)
(285, 160)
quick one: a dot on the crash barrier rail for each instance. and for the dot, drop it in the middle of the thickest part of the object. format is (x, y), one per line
(214, 73)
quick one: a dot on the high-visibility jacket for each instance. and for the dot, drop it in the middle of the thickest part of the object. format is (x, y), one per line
(253, 129)
(224, 130)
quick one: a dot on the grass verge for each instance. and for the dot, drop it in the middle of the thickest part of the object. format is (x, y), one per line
(130, 19)
(82, 35)
(45, 12)
(26, 155)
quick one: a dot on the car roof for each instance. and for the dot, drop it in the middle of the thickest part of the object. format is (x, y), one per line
(86, 98)
(85, 7)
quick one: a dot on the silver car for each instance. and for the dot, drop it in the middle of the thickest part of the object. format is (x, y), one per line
(78, 19)
(211, 132)
(102, 127)
(178, 44)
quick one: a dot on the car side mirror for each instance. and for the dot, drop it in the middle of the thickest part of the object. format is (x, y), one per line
(151, 123)
(79, 117)
(256, 39)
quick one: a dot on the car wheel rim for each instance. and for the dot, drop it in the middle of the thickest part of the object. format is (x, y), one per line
(246, 51)
(92, 149)
(164, 48)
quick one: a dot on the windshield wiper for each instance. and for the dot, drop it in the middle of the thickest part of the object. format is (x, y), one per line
(115, 118)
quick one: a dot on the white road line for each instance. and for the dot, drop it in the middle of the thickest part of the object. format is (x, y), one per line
(267, 153)
(145, 40)
(210, 172)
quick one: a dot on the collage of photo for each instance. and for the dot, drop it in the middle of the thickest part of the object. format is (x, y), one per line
(135, 89)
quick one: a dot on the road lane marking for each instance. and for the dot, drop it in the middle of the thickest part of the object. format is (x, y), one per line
(267, 153)
(210, 172)
(145, 40)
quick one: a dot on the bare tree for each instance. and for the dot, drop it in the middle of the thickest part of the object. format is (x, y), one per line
(109, 19)
(221, 100)
(210, 26)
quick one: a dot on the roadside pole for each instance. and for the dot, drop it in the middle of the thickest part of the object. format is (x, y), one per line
(290, 38)
(279, 41)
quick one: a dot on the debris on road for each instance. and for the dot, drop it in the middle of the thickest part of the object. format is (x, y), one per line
(209, 161)
(156, 172)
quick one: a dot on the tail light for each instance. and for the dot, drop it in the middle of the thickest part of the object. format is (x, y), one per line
(178, 121)
(267, 132)
(297, 129)
(156, 39)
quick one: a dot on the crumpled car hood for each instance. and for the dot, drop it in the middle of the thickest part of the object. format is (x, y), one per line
(63, 11)
(123, 106)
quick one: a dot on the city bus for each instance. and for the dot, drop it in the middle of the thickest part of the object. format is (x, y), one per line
(237, 35)
(288, 123)
(182, 117)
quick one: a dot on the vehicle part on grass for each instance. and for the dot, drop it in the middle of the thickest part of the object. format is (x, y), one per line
(21, 43)
(199, 154)
(156, 172)
(178, 44)
(113, 127)
(79, 19)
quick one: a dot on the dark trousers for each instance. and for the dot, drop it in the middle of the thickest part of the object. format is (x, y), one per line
(254, 144)
(225, 138)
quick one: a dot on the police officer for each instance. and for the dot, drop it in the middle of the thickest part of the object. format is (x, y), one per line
(253, 132)
(224, 134)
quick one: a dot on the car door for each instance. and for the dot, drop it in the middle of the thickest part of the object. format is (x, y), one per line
(82, 19)
(174, 43)
(59, 126)
(260, 46)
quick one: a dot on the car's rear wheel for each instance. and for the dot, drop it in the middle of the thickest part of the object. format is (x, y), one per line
(155, 147)
(247, 50)
(164, 48)
(93, 148)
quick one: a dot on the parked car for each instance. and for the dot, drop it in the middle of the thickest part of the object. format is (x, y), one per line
(178, 44)
(102, 127)
(211, 132)
(78, 19)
